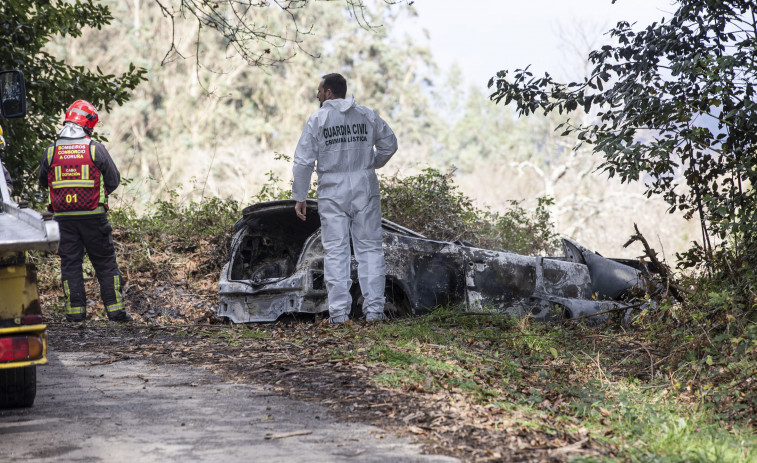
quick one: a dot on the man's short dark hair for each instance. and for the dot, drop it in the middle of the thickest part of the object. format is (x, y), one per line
(336, 83)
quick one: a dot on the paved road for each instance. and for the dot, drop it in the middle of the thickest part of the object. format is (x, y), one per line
(132, 411)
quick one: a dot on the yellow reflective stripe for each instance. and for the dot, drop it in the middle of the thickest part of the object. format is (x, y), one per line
(56, 173)
(92, 151)
(85, 172)
(67, 294)
(117, 306)
(73, 183)
(117, 288)
(70, 310)
(98, 210)
(120, 304)
(50, 152)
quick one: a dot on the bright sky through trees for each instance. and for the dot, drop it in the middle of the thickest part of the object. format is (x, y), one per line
(485, 36)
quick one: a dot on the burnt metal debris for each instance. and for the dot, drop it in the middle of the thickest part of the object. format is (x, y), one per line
(276, 268)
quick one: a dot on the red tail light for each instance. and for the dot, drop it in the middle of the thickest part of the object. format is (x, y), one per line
(16, 348)
(31, 320)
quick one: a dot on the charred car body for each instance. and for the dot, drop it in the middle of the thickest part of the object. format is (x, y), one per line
(276, 268)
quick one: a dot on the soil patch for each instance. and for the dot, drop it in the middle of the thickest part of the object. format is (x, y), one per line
(294, 359)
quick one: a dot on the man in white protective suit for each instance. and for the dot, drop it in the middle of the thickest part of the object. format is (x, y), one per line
(346, 143)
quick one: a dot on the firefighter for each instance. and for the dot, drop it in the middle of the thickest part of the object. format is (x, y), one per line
(348, 142)
(80, 174)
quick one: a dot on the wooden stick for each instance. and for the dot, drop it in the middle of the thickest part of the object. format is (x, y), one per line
(284, 435)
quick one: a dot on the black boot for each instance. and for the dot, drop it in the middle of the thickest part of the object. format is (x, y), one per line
(119, 316)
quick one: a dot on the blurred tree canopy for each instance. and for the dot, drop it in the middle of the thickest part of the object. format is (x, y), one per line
(224, 120)
(52, 85)
(246, 29)
(674, 107)
(261, 34)
(209, 119)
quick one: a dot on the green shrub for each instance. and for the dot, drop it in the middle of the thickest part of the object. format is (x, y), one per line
(432, 205)
(169, 227)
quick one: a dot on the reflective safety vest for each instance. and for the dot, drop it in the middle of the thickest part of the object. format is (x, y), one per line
(75, 187)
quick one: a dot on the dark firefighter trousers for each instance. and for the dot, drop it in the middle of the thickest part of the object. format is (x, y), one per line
(93, 234)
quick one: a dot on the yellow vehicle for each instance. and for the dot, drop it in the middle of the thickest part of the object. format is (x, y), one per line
(23, 339)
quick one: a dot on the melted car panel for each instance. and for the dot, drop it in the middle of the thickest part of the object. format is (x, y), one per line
(276, 268)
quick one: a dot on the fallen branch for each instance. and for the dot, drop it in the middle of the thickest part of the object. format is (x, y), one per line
(284, 435)
(573, 448)
(108, 361)
(602, 312)
(658, 266)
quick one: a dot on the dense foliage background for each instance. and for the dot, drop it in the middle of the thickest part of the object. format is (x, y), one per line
(52, 83)
(207, 124)
(673, 108)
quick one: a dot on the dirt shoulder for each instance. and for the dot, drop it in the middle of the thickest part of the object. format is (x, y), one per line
(294, 361)
(91, 407)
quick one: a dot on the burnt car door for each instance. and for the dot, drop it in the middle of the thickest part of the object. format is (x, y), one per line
(522, 285)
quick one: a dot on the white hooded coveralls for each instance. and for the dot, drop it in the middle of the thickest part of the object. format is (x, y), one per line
(339, 141)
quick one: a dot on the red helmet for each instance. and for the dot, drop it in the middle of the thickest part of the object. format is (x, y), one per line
(83, 113)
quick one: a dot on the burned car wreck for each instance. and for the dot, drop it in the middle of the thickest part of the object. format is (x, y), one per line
(276, 268)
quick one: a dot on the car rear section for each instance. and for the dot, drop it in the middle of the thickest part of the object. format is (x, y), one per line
(23, 340)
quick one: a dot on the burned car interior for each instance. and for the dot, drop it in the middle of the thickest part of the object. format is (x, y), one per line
(269, 247)
(275, 268)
